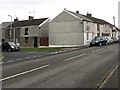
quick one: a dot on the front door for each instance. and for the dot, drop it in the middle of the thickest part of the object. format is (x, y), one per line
(35, 41)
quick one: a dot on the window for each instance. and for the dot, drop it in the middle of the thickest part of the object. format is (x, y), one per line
(87, 36)
(98, 27)
(98, 34)
(26, 31)
(26, 39)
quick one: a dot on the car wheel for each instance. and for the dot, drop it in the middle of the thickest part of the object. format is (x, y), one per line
(90, 45)
(100, 44)
(9, 50)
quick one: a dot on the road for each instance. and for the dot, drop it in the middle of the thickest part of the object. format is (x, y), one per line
(86, 68)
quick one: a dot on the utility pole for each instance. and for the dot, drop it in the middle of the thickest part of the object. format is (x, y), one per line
(10, 31)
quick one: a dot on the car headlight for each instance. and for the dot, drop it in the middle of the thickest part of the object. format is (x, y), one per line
(96, 41)
(12, 47)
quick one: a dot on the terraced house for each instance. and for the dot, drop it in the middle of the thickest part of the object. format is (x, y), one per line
(71, 29)
(30, 33)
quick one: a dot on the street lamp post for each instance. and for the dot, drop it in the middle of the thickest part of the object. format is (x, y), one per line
(10, 32)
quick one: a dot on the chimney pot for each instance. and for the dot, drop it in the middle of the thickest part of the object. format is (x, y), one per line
(89, 14)
(30, 17)
(77, 12)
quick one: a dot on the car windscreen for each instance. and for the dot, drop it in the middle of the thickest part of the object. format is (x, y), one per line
(12, 44)
(96, 38)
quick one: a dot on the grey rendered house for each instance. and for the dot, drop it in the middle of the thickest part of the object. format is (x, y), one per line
(67, 30)
(30, 33)
(104, 28)
(4, 31)
(70, 29)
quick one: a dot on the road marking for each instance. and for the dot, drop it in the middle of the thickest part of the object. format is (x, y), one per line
(101, 86)
(93, 51)
(74, 57)
(81, 55)
(10, 61)
(32, 52)
(99, 49)
(19, 74)
(1, 62)
(27, 58)
(34, 56)
(40, 55)
(21, 59)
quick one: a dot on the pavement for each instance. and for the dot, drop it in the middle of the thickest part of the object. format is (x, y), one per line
(85, 68)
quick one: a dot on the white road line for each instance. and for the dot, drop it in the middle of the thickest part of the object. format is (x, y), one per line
(52, 52)
(108, 77)
(81, 55)
(34, 56)
(1, 62)
(74, 57)
(99, 49)
(21, 59)
(10, 61)
(28, 58)
(40, 56)
(92, 51)
(32, 52)
(19, 74)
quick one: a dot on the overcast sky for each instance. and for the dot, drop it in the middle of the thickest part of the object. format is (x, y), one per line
(104, 9)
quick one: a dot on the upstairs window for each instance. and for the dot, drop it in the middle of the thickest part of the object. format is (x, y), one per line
(26, 31)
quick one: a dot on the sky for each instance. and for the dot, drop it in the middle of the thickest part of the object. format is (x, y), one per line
(103, 9)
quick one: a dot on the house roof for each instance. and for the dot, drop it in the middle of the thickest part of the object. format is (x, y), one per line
(28, 22)
(79, 15)
(88, 18)
(99, 21)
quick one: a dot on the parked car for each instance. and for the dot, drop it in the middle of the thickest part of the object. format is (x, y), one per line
(10, 46)
(109, 39)
(115, 40)
(100, 40)
(118, 40)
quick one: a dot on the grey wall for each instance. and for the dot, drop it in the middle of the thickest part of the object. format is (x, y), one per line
(65, 30)
(33, 31)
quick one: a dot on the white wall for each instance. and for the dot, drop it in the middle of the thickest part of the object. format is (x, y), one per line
(92, 32)
(65, 30)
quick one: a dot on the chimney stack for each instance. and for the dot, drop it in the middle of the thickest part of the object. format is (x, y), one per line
(89, 14)
(30, 17)
(16, 19)
(77, 12)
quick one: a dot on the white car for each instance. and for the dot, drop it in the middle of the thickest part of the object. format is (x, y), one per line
(109, 39)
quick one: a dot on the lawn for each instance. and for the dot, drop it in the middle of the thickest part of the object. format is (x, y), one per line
(39, 49)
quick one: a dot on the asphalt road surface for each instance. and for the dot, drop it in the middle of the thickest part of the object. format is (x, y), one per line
(86, 68)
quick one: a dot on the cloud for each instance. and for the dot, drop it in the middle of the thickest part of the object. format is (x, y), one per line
(7, 4)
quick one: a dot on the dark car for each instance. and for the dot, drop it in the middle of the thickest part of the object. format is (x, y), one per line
(10, 46)
(99, 41)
